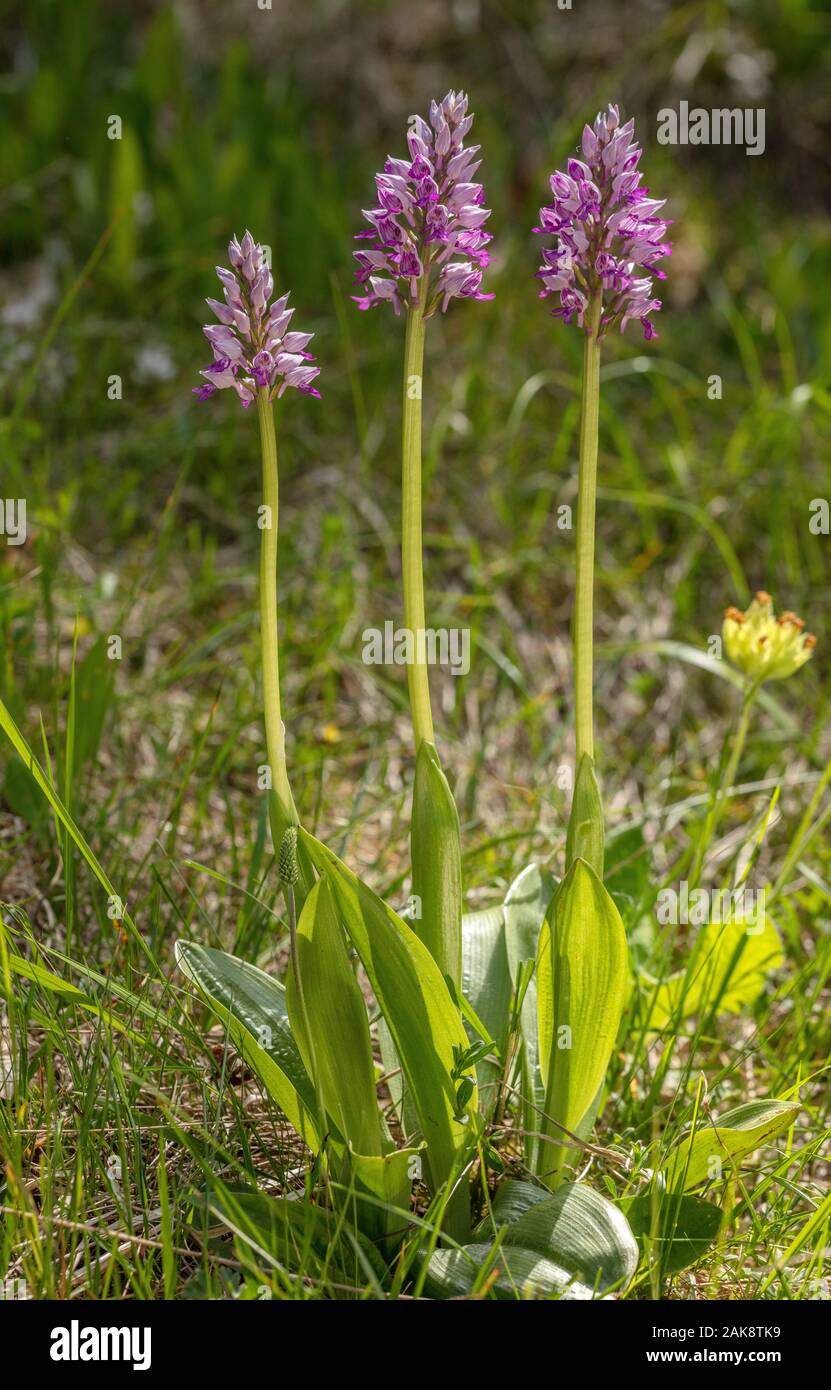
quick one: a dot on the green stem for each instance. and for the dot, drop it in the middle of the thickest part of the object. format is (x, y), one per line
(586, 506)
(719, 802)
(435, 835)
(281, 801)
(411, 544)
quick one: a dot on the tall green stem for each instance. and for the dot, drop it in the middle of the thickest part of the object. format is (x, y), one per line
(435, 834)
(586, 506)
(281, 802)
(411, 544)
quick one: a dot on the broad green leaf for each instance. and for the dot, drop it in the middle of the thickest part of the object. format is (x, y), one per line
(580, 1003)
(486, 980)
(714, 1148)
(544, 979)
(520, 1274)
(395, 1083)
(728, 971)
(682, 1228)
(577, 1228)
(486, 984)
(339, 1051)
(411, 992)
(526, 904)
(253, 1007)
(382, 1186)
(435, 843)
(581, 1231)
(585, 836)
(511, 1200)
(571, 1244)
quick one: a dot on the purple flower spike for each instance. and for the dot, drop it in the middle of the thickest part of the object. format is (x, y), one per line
(251, 346)
(427, 244)
(606, 229)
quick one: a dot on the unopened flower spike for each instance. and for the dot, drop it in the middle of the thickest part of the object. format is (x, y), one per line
(427, 243)
(252, 345)
(762, 646)
(609, 236)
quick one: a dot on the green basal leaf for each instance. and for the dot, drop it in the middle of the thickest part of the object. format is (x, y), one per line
(582, 987)
(435, 843)
(511, 1200)
(339, 1052)
(585, 836)
(583, 1232)
(380, 1189)
(526, 904)
(544, 979)
(678, 1228)
(396, 1085)
(520, 1274)
(714, 1149)
(253, 1007)
(574, 1244)
(486, 984)
(424, 1023)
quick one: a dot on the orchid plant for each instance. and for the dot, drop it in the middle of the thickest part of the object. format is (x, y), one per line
(607, 231)
(310, 1040)
(492, 1019)
(427, 246)
(527, 999)
(257, 355)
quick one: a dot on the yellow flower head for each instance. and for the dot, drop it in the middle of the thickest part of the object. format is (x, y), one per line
(764, 647)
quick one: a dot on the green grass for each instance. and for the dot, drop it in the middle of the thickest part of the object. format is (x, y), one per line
(114, 1115)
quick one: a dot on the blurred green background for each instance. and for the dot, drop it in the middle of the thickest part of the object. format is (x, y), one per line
(142, 510)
